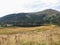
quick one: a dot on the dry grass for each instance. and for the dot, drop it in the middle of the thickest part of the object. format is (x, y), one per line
(43, 35)
(12, 30)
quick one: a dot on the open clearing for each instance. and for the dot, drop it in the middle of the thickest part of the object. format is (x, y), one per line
(42, 35)
(13, 30)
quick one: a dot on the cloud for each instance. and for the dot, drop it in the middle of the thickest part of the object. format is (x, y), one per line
(43, 4)
(15, 6)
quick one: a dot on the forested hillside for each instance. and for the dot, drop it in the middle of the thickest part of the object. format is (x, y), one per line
(48, 16)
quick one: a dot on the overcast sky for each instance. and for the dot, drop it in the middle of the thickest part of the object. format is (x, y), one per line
(16, 6)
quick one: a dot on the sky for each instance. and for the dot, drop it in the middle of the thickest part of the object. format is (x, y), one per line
(18, 6)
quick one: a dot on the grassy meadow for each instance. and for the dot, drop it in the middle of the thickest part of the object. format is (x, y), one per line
(13, 30)
(41, 35)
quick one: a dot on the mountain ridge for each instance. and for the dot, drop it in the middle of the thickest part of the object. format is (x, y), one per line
(48, 16)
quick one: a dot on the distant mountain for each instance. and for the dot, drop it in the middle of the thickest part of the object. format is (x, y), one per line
(48, 16)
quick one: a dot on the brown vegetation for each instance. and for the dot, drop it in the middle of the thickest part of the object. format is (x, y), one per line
(44, 35)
